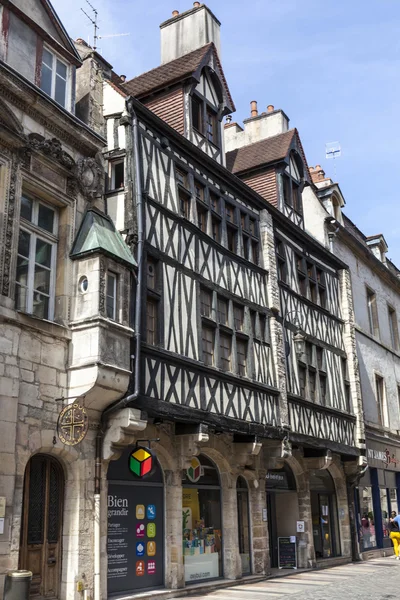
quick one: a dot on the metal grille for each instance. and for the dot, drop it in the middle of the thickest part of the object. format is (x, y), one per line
(55, 488)
(37, 487)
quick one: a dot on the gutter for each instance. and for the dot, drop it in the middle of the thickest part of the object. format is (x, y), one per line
(125, 400)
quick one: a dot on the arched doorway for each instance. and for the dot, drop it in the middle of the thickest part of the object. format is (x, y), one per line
(201, 521)
(282, 508)
(41, 532)
(243, 524)
(324, 514)
(135, 537)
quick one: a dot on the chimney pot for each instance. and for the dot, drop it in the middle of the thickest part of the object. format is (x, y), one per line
(253, 106)
(270, 108)
(318, 167)
(122, 78)
(196, 4)
(175, 13)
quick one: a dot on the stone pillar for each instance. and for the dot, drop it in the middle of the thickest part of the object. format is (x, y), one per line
(259, 528)
(306, 552)
(230, 538)
(175, 574)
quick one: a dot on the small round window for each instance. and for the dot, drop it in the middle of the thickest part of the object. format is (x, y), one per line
(83, 284)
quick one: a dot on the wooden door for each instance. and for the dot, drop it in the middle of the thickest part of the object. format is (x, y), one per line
(41, 534)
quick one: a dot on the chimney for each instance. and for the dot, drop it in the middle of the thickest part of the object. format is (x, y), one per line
(253, 106)
(317, 173)
(270, 108)
(188, 31)
(122, 78)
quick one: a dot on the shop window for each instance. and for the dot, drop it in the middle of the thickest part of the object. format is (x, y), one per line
(367, 530)
(201, 521)
(243, 524)
(384, 500)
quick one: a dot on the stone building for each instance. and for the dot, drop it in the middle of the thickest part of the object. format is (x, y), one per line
(243, 420)
(375, 289)
(64, 276)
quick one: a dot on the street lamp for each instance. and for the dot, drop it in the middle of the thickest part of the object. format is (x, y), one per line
(299, 340)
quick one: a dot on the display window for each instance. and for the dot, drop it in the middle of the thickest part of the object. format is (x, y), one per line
(201, 521)
(384, 500)
(367, 529)
(243, 524)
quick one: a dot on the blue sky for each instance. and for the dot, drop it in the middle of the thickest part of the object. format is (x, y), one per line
(333, 67)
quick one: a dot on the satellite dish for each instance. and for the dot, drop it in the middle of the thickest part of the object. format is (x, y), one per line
(333, 150)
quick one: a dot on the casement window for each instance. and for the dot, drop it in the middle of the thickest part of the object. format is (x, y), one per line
(231, 237)
(202, 216)
(346, 383)
(153, 301)
(238, 317)
(301, 274)
(249, 233)
(199, 191)
(205, 302)
(116, 175)
(36, 261)
(215, 202)
(281, 261)
(380, 400)
(313, 383)
(208, 341)
(393, 327)
(291, 179)
(372, 312)
(205, 120)
(111, 295)
(184, 194)
(54, 77)
(225, 352)
(216, 229)
(241, 351)
(222, 311)
(311, 281)
(321, 288)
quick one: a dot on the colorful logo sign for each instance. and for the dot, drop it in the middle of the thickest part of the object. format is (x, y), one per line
(151, 512)
(140, 511)
(151, 530)
(151, 567)
(140, 530)
(139, 549)
(141, 462)
(140, 568)
(151, 548)
(194, 471)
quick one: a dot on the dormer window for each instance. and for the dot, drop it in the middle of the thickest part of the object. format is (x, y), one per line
(205, 120)
(54, 77)
(291, 185)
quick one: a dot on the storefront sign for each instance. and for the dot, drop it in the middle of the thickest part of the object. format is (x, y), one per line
(287, 552)
(202, 566)
(300, 526)
(72, 424)
(141, 462)
(383, 456)
(195, 470)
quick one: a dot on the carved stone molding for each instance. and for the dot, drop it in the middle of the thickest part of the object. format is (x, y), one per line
(89, 173)
(9, 227)
(319, 463)
(245, 453)
(276, 453)
(121, 432)
(51, 148)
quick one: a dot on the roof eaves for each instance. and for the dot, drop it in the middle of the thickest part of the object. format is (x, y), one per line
(58, 24)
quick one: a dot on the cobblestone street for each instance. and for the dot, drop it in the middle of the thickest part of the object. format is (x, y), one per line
(373, 580)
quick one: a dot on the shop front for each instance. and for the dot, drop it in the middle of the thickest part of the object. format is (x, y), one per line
(378, 495)
(201, 521)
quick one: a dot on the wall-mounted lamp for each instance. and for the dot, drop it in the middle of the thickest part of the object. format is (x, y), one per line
(299, 342)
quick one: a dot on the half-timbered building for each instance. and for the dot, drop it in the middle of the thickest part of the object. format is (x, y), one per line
(245, 381)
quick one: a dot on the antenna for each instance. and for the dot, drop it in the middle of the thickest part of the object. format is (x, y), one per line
(333, 150)
(94, 23)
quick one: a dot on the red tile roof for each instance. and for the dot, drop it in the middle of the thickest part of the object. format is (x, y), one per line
(260, 153)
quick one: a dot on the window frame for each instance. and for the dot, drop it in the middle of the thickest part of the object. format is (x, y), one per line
(114, 297)
(153, 298)
(372, 309)
(111, 175)
(33, 229)
(56, 57)
(380, 397)
(393, 327)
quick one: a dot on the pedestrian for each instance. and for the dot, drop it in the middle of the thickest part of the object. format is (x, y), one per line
(394, 533)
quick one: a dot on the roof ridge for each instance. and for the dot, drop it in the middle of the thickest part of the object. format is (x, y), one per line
(263, 140)
(168, 63)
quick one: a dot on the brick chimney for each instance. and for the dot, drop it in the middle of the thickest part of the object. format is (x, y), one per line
(187, 31)
(317, 173)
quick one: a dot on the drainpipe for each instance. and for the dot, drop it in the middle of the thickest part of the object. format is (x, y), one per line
(124, 401)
